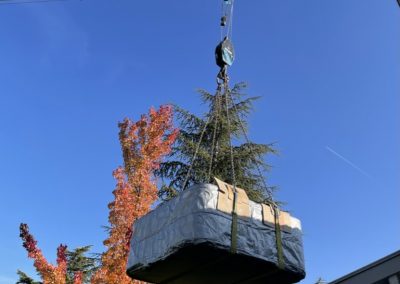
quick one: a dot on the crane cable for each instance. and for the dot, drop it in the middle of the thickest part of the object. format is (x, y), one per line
(266, 188)
(227, 11)
(214, 145)
(273, 205)
(234, 225)
(226, 18)
(230, 26)
(209, 118)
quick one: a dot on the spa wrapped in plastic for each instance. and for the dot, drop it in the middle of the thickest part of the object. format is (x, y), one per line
(188, 240)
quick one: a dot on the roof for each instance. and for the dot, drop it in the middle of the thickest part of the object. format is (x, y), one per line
(394, 257)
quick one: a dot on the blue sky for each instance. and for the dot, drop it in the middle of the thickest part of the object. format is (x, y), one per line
(328, 73)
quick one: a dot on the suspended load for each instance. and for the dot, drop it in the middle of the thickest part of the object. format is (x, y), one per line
(213, 234)
(194, 239)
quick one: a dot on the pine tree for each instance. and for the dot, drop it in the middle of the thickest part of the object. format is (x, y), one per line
(25, 279)
(78, 261)
(215, 147)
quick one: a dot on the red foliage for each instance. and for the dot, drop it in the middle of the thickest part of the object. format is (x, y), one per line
(50, 274)
(144, 143)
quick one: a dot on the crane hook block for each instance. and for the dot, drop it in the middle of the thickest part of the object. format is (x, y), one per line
(224, 53)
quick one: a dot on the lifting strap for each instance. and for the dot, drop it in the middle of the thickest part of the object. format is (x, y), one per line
(234, 229)
(272, 216)
(234, 201)
(235, 197)
(278, 238)
(239, 206)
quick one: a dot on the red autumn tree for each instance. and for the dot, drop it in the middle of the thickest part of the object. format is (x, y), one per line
(144, 143)
(50, 274)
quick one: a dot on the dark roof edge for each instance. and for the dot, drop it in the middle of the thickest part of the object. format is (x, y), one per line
(367, 267)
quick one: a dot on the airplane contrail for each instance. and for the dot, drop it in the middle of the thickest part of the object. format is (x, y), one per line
(348, 162)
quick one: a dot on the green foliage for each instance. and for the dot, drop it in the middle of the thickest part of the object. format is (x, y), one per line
(78, 261)
(246, 156)
(25, 279)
